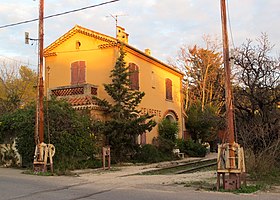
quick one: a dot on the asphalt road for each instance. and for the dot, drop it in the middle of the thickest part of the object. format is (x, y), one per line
(15, 185)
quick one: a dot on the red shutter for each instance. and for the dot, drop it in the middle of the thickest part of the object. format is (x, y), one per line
(168, 87)
(143, 138)
(74, 73)
(82, 72)
(134, 76)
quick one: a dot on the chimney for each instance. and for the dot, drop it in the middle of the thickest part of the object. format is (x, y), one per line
(122, 35)
(148, 52)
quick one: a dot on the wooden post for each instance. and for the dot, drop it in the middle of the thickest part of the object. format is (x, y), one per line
(41, 83)
(39, 131)
(228, 91)
(106, 154)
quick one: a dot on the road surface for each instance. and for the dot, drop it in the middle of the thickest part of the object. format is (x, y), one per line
(15, 185)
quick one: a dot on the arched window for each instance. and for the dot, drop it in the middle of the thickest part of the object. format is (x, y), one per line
(168, 89)
(134, 76)
(78, 72)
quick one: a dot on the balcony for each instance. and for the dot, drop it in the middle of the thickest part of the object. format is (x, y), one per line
(79, 96)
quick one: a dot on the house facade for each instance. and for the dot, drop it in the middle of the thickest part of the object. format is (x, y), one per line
(79, 62)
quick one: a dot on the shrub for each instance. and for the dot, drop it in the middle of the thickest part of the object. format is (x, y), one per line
(191, 148)
(148, 154)
(168, 132)
(168, 129)
(70, 132)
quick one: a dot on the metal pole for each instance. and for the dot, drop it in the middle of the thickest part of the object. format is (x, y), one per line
(228, 91)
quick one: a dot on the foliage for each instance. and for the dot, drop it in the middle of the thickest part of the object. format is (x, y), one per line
(204, 80)
(256, 95)
(168, 131)
(201, 124)
(20, 123)
(203, 88)
(191, 148)
(70, 132)
(124, 122)
(16, 86)
(149, 154)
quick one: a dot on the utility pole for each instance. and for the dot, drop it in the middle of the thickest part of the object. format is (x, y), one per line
(39, 131)
(228, 91)
(41, 83)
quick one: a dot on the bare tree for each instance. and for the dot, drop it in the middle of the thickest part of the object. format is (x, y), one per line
(256, 94)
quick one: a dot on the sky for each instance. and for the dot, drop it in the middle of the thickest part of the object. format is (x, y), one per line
(163, 26)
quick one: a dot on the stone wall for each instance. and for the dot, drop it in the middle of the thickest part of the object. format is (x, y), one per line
(9, 156)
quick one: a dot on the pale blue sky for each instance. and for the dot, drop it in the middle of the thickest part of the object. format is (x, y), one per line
(161, 25)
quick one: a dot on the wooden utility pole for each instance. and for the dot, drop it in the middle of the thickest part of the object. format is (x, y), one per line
(38, 163)
(228, 91)
(41, 83)
(43, 152)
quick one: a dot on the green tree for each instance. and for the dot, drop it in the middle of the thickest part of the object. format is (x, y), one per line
(17, 86)
(124, 122)
(202, 124)
(204, 88)
(204, 80)
(70, 132)
(168, 132)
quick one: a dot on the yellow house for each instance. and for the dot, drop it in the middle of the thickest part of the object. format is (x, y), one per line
(79, 62)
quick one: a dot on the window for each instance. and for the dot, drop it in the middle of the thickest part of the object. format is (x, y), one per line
(134, 76)
(78, 72)
(168, 89)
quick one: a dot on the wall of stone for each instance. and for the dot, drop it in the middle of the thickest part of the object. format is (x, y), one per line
(9, 156)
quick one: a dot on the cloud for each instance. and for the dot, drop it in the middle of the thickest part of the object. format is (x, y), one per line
(161, 25)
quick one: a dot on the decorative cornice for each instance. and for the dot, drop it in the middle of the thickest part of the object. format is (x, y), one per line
(49, 54)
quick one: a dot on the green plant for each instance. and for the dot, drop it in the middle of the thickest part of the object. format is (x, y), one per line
(168, 132)
(202, 123)
(191, 148)
(148, 154)
(124, 122)
(70, 132)
(249, 189)
(168, 129)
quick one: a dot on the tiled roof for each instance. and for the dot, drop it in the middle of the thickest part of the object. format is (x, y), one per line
(82, 102)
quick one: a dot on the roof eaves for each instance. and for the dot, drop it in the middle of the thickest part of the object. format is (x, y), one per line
(154, 59)
(82, 30)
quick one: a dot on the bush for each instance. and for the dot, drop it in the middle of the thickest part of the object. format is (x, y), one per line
(191, 148)
(168, 129)
(168, 132)
(148, 154)
(70, 132)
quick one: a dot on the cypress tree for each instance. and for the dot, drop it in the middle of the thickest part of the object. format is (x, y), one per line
(124, 122)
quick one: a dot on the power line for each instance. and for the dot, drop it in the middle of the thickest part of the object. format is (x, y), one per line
(18, 61)
(58, 14)
(229, 23)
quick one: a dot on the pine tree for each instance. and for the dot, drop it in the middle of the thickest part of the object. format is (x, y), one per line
(124, 122)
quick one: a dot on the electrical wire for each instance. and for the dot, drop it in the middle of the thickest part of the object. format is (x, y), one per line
(58, 14)
(18, 61)
(229, 23)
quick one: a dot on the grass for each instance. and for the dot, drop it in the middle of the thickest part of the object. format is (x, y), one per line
(204, 185)
(32, 172)
(271, 178)
(210, 186)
